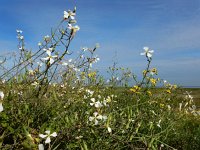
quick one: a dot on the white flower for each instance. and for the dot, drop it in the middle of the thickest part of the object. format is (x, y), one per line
(47, 38)
(47, 136)
(96, 104)
(49, 49)
(39, 44)
(89, 92)
(180, 106)
(20, 37)
(73, 29)
(1, 95)
(147, 52)
(19, 31)
(193, 110)
(96, 59)
(1, 99)
(49, 57)
(104, 118)
(96, 118)
(1, 107)
(109, 129)
(85, 49)
(69, 14)
(41, 147)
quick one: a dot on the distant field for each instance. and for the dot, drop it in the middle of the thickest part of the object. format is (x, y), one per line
(195, 92)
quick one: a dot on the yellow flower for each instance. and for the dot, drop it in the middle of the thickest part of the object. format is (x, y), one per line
(153, 81)
(92, 74)
(162, 105)
(168, 91)
(174, 86)
(149, 93)
(135, 89)
(154, 71)
(144, 72)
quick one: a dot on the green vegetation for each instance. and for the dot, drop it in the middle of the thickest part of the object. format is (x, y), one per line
(51, 101)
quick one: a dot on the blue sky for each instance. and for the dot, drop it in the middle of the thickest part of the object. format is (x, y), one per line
(122, 28)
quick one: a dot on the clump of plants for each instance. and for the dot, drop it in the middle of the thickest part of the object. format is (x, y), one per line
(53, 99)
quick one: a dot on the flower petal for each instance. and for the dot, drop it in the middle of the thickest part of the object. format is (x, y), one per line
(47, 132)
(91, 118)
(109, 130)
(100, 117)
(149, 55)
(54, 134)
(51, 61)
(1, 107)
(48, 52)
(48, 140)
(54, 56)
(91, 104)
(95, 114)
(42, 135)
(146, 48)
(93, 100)
(104, 118)
(96, 122)
(1, 95)
(47, 58)
(151, 51)
(72, 17)
(41, 147)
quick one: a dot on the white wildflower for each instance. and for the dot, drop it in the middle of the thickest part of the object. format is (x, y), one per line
(89, 92)
(109, 129)
(39, 44)
(73, 29)
(85, 49)
(20, 37)
(47, 136)
(180, 106)
(147, 52)
(97, 104)
(97, 117)
(19, 31)
(1, 100)
(47, 38)
(49, 57)
(69, 14)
